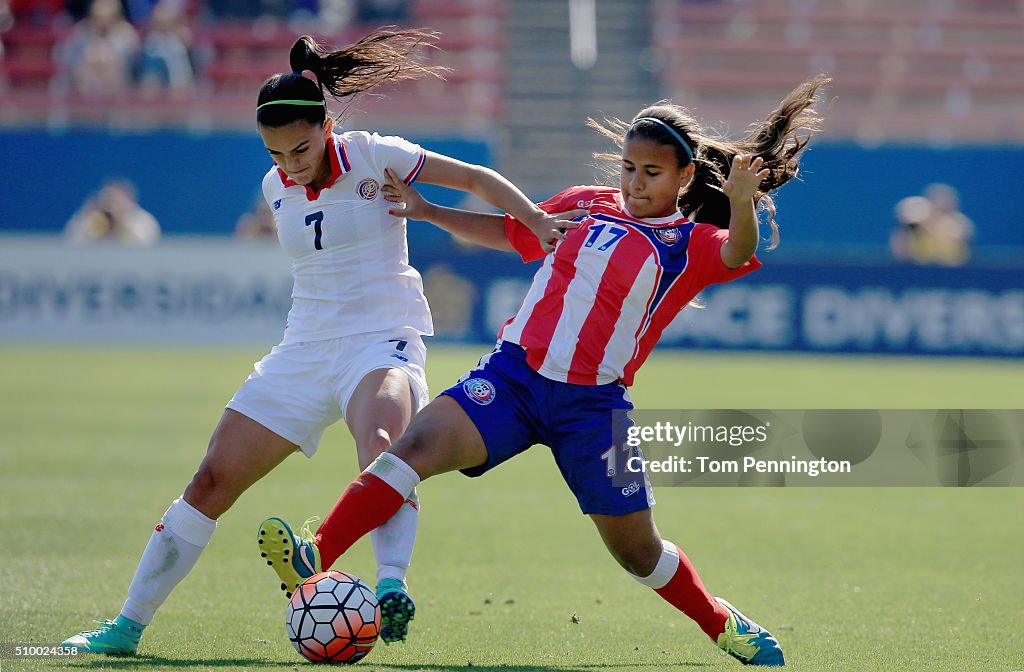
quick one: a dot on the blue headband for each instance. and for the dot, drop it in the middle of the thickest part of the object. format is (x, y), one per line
(674, 132)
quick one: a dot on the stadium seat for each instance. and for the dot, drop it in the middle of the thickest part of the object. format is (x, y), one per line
(922, 71)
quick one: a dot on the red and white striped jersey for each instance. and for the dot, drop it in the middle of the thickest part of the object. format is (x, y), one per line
(601, 300)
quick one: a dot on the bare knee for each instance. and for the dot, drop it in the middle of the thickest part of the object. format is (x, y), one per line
(441, 438)
(409, 448)
(638, 560)
(210, 491)
(241, 452)
(369, 447)
(422, 450)
(632, 539)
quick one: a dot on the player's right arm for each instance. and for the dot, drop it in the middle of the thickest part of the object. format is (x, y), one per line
(494, 189)
(476, 227)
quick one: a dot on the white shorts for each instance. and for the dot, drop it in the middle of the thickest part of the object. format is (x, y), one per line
(299, 389)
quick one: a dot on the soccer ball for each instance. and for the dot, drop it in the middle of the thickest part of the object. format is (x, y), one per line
(333, 617)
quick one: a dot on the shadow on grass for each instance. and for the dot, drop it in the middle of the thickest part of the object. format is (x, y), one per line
(156, 662)
(586, 667)
(159, 663)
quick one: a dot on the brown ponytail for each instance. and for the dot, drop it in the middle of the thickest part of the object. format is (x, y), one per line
(383, 55)
(380, 56)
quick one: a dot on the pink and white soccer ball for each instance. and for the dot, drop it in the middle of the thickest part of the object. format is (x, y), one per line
(333, 617)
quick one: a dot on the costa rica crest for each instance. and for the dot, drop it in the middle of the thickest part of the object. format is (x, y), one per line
(367, 189)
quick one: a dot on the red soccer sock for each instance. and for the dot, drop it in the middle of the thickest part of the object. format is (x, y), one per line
(367, 503)
(686, 592)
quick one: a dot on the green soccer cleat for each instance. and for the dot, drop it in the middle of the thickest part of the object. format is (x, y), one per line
(295, 559)
(748, 642)
(396, 610)
(114, 638)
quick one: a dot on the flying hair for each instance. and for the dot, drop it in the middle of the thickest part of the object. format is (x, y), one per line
(386, 54)
(779, 139)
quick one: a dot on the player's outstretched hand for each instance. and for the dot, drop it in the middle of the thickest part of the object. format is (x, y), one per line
(744, 177)
(551, 227)
(408, 201)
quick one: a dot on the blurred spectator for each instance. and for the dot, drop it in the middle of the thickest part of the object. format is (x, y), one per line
(233, 9)
(36, 12)
(164, 62)
(6, 21)
(136, 11)
(113, 215)
(140, 12)
(97, 58)
(382, 11)
(336, 14)
(77, 10)
(257, 223)
(930, 229)
(248, 9)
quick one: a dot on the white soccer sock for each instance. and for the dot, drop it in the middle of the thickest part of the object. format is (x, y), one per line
(394, 540)
(394, 471)
(172, 551)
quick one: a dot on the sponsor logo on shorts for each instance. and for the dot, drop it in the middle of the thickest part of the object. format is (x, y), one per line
(667, 236)
(367, 189)
(631, 489)
(400, 357)
(479, 390)
(277, 204)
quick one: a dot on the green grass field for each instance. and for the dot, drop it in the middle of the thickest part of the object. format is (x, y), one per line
(97, 442)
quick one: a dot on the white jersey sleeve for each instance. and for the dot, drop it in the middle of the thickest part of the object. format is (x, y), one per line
(267, 187)
(390, 151)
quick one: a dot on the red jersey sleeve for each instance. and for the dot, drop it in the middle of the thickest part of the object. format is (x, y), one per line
(523, 240)
(704, 254)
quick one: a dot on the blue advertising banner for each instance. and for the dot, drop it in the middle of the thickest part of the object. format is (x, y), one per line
(804, 307)
(210, 290)
(883, 309)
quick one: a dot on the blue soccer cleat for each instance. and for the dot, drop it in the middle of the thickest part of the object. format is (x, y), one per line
(748, 642)
(294, 558)
(396, 610)
(114, 638)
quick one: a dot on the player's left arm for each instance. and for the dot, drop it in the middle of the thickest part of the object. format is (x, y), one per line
(744, 179)
(493, 188)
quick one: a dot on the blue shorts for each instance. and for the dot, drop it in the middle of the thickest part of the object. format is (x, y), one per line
(514, 407)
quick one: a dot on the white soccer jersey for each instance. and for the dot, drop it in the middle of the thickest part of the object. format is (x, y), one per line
(350, 257)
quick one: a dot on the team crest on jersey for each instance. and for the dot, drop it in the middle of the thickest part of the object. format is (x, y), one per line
(668, 236)
(367, 189)
(479, 390)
